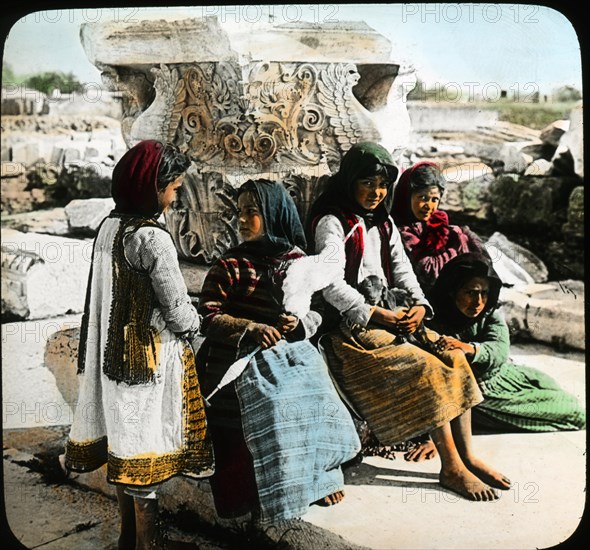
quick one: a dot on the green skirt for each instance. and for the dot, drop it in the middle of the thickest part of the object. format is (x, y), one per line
(518, 398)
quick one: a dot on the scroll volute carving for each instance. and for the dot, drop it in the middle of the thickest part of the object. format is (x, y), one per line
(203, 219)
(288, 122)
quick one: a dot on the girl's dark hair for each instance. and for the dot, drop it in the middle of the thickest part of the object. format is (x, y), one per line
(378, 169)
(426, 176)
(248, 187)
(173, 164)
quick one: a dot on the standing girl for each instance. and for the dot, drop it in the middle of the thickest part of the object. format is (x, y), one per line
(139, 407)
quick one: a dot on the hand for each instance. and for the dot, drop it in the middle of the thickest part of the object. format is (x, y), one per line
(445, 343)
(287, 323)
(265, 335)
(412, 320)
(389, 318)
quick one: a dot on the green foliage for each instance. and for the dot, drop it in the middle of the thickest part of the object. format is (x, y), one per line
(81, 182)
(567, 93)
(69, 182)
(533, 115)
(8, 75)
(47, 82)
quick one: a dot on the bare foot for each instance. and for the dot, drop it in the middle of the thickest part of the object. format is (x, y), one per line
(467, 485)
(422, 451)
(487, 474)
(330, 500)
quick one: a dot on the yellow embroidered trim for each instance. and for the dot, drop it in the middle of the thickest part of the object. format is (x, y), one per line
(86, 457)
(195, 422)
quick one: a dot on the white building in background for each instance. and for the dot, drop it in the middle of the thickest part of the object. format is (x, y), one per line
(17, 99)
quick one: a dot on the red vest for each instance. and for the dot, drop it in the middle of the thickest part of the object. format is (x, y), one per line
(355, 245)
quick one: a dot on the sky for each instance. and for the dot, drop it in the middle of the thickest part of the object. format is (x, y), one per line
(524, 47)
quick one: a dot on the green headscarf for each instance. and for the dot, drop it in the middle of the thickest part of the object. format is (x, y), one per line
(361, 160)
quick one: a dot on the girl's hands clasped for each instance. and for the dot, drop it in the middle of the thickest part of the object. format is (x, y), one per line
(412, 320)
(445, 343)
(403, 320)
(264, 335)
(267, 335)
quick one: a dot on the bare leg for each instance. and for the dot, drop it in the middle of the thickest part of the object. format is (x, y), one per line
(147, 529)
(148, 533)
(461, 427)
(454, 475)
(127, 513)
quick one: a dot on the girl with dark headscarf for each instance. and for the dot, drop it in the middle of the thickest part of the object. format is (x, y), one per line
(517, 398)
(400, 389)
(139, 408)
(429, 240)
(280, 431)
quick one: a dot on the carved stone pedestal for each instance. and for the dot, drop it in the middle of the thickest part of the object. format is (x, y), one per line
(258, 101)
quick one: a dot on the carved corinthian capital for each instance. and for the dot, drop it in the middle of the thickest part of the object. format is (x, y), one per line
(284, 103)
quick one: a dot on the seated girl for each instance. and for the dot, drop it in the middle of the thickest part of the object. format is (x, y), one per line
(517, 398)
(428, 239)
(401, 390)
(280, 432)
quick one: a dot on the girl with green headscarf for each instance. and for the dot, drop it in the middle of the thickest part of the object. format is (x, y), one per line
(400, 389)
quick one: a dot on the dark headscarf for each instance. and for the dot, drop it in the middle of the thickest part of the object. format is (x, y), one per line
(282, 225)
(134, 183)
(359, 161)
(451, 278)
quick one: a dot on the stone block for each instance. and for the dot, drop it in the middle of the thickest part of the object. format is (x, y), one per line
(26, 153)
(61, 355)
(43, 275)
(552, 133)
(194, 275)
(502, 250)
(514, 158)
(85, 215)
(539, 167)
(552, 313)
(573, 139)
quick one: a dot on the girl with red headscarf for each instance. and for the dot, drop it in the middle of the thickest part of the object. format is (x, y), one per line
(429, 240)
(139, 408)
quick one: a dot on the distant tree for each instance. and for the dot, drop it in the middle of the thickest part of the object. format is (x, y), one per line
(47, 82)
(420, 92)
(567, 93)
(8, 76)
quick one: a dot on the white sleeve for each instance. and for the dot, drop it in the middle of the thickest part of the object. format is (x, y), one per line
(346, 299)
(152, 250)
